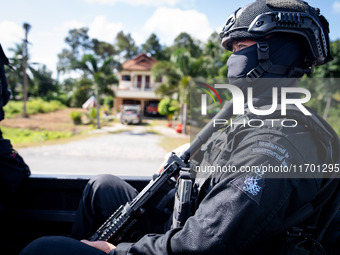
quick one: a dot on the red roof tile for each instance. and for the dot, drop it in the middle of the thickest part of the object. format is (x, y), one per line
(141, 62)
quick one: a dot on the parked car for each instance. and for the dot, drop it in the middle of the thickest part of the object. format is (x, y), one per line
(131, 115)
(152, 109)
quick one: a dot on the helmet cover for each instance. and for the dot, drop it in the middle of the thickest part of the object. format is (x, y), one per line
(264, 18)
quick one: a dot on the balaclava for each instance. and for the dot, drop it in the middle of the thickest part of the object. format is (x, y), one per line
(286, 54)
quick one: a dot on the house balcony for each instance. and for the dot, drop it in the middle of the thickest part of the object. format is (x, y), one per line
(127, 89)
(147, 93)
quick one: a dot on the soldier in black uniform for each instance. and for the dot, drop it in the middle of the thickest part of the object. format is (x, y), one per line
(238, 212)
(4, 91)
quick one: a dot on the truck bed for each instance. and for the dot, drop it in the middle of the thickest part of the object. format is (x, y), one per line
(43, 205)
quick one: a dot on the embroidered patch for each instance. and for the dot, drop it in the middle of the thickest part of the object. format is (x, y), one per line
(251, 185)
(273, 150)
(273, 146)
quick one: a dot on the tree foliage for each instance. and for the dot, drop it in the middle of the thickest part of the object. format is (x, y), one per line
(103, 49)
(79, 44)
(79, 41)
(44, 84)
(153, 47)
(172, 77)
(184, 40)
(83, 90)
(16, 73)
(168, 106)
(101, 72)
(126, 46)
(326, 86)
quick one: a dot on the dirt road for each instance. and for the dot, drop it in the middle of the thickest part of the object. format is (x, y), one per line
(127, 153)
(121, 150)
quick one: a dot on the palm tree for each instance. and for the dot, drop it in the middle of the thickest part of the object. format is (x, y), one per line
(178, 73)
(172, 77)
(102, 76)
(16, 74)
(15, 77)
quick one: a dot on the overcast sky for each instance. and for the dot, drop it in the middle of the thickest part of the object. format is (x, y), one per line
(52, 19)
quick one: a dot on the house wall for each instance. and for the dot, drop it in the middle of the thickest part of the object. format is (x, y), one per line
(141, 80)
(139, 89)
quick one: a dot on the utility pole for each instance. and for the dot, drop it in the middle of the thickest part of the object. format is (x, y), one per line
(97, 105)
(27, 27)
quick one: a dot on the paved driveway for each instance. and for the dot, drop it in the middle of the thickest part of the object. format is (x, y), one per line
(127, 153)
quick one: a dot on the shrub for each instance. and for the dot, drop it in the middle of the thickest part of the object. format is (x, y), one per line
(14, 108)
(168, 106)
(76, 117)
(108, 101)
(41, 106)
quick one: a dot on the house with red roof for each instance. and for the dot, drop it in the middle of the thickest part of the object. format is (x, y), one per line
(136, 86)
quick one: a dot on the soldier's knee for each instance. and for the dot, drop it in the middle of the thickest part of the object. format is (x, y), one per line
(104, 182)
(44, 245)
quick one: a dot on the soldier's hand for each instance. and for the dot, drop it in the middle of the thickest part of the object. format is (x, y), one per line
(178, 151)
(100, 245)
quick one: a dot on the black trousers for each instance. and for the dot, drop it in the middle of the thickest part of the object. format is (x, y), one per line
(101, 197)
(58, 245)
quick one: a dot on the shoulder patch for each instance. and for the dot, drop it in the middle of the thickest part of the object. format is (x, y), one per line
(277, 152)
(251, 185)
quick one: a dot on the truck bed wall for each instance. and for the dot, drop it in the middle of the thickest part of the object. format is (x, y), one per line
(43, 205)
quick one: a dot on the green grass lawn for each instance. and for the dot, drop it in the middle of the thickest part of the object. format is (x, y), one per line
(26, 137)
(171, 143)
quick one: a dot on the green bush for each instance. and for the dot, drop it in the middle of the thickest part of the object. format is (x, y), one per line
(91, 115)
(76, 117)
(63, 98)
(108, 101)
(168, 106)
(14, 108)
(41, 106)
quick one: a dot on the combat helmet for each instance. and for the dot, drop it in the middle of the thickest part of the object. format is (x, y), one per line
(264, 18)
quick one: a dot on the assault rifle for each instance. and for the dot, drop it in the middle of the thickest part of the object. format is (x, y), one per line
(122, 221)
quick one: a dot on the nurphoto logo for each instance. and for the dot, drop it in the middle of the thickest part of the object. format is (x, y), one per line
(239, 100)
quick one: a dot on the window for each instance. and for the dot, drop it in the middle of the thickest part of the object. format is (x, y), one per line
(139, 81)
(126, 77)
(147, 82)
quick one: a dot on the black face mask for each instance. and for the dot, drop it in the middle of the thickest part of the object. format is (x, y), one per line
(242, 62)
(283, 51)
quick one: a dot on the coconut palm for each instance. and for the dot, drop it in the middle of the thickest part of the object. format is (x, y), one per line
(101, 72)
(15, 74)
(177, 72)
